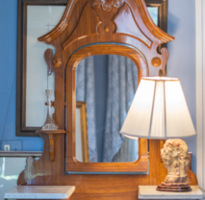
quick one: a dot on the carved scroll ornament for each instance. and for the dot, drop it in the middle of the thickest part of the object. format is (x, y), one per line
(106, 5)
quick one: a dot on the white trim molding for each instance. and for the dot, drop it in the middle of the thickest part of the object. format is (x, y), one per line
(200, 91)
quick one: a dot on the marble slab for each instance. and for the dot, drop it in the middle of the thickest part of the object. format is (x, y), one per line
(40, 192)
(150, 192)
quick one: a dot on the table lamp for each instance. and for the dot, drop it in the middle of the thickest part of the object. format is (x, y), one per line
(159, 111)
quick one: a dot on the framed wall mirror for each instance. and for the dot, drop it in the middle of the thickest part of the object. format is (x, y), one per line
(32, 78)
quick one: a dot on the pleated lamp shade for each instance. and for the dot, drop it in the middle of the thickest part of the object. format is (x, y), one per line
(158, 111)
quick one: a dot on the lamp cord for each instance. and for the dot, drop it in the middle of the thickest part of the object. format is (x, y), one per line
(201, 189)
(7, 113)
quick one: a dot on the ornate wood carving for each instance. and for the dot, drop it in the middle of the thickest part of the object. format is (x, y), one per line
(83, 29)
(57, 62)
(47, 55)
(51, 144)
(106, 5)
(165, 57)
(50, 61)
(50, 134)
(126, 24)
(156, 62)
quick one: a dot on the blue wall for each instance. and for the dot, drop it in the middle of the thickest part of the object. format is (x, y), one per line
(181, 24)
(8, 46)
(181, 64)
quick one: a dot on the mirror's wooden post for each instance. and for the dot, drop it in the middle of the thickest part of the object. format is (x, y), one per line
(156, 167)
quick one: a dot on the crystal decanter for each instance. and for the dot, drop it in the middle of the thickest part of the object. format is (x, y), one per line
(49, 123)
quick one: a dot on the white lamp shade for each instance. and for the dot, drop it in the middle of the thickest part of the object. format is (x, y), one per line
(158, 111)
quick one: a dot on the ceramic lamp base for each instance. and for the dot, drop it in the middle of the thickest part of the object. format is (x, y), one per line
(174, 187)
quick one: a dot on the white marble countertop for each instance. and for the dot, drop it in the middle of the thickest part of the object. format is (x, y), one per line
(40, 192)
(150, 192)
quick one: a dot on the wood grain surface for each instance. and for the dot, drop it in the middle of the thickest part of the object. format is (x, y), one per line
(97, 27)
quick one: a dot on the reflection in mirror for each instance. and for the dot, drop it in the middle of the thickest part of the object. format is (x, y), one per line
(8, 173)
(81, 132)
(105, 86)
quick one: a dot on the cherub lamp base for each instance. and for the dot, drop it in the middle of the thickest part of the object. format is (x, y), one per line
(176, 159)
(174, 187)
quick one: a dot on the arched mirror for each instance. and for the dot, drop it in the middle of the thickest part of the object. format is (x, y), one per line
(105, 87)
(102, 89)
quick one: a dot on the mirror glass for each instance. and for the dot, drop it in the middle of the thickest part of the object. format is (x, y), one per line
(105, 87)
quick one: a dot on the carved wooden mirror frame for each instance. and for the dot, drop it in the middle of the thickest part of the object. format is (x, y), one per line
(93, 27)
(73, 165)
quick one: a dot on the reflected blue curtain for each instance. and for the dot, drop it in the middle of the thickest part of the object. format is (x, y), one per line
(85, 91)
(122, 85)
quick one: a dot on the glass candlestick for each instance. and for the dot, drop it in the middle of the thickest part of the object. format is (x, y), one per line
(49, 123)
